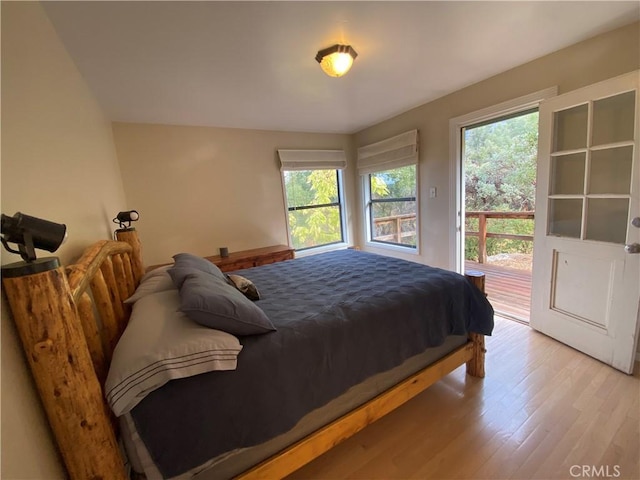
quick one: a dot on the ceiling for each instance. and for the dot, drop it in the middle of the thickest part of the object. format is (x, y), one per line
(251, 64)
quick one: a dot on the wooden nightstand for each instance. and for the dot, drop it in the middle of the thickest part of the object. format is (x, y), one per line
(252, 258)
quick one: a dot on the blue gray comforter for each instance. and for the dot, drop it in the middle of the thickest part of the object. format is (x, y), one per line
(340, 317)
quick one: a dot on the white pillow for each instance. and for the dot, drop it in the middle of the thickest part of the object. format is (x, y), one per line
(160, 344)
(157, 280)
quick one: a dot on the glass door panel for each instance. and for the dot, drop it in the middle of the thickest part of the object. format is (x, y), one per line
(567, 174)
(607, 219)
(610, 171)
(565, 217)
(613, 119)
(570, 128)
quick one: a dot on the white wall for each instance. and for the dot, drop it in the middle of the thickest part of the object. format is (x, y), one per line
(593, 60)
(58, 163)
(201, 188)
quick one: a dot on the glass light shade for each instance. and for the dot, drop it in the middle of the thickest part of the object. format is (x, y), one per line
(336, 64)
(336, 60)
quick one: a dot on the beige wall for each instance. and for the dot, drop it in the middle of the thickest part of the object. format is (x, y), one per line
(200, 188)
(593, 60)
(58, 163)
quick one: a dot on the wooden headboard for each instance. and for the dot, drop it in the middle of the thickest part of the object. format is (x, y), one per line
(69, 320)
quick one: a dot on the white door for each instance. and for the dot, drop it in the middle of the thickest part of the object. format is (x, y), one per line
(586, 264)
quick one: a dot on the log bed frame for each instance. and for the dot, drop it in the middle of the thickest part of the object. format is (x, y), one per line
(68, 337)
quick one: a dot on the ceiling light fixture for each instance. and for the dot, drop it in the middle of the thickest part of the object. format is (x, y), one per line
(336, 60)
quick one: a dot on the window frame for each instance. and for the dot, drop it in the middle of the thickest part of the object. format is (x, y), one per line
(368, 223)
(341, 204)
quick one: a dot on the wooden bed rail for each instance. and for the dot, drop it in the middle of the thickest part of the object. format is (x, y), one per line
(69, 347)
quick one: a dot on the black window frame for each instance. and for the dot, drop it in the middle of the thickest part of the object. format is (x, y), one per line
(324, 205)
(371, 201)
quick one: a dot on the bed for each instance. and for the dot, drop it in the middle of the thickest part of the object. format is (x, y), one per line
(320, 376)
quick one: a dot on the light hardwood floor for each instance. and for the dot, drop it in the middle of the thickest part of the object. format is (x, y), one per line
(543, 411)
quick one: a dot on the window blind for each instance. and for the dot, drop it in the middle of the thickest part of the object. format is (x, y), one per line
(312, 160)
(394, 152)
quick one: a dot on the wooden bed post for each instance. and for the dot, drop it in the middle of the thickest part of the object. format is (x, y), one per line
(51, 332)
(130, 236)
(475, 366)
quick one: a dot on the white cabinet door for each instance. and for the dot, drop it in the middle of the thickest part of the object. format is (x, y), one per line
(586, 276)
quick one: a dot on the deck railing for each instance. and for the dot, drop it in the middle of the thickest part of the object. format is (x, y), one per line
(482, 233)
(398, 234)
(395, 222)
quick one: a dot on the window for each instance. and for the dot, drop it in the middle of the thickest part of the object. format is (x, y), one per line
(392, 206)
(389, 170)
(313, 192)
(314, 207)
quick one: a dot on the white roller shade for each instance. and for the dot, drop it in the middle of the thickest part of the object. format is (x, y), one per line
(312, 159)
(394, 152)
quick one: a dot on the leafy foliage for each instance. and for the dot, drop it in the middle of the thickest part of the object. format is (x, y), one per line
(500, 165)
(312, 227)
(500, 175)
(398, 183)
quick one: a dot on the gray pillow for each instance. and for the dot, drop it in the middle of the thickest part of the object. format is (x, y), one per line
(186, 263)
(161, 344)
(211, 301)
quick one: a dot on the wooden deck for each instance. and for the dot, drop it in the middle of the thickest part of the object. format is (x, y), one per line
(508, 290)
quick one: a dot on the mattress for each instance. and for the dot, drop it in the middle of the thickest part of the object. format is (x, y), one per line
(231, 464)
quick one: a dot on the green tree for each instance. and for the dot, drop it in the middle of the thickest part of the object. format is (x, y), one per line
(500, 175)
(500, 164)
(313, 226)
(398, 183)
